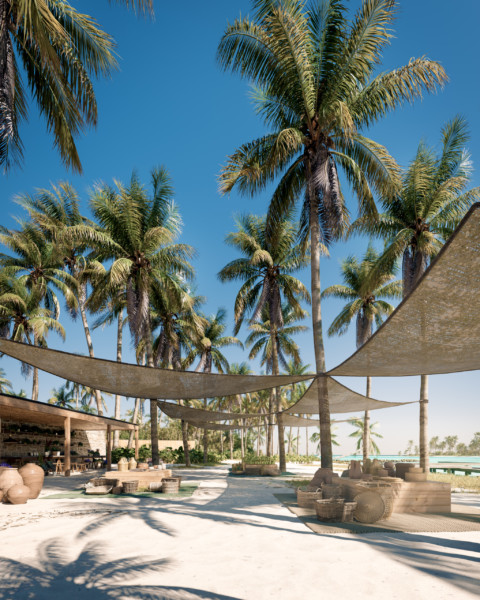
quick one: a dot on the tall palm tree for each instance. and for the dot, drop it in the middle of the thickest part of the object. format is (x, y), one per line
(208, 347)
(315, 89)
(270, 257)
(62, 396)
(359, 432)
(297, 391)
(24, 320)
(137, 232)
(275, 344)
(418, 220)
(54, 213)
(364, 286)
(60, 49)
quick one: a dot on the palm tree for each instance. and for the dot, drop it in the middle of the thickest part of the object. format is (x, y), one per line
(174, 313)
(208, 345)
(313, 72)
(276, 343)
(23, 320)
(62, 396)
(54, 213)
(315, 439)
(60, 49)
(364, 293)
(239, 369)
(297, 391)
(270, 256)
(372, 447)
(418, 220)
(5, 383)
(137, 233)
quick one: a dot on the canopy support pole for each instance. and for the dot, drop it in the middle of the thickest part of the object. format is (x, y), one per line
(109, 447)
(137, 443)
(67, 447)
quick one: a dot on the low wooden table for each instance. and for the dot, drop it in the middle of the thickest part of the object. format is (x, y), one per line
(415, 496)
(144, 478)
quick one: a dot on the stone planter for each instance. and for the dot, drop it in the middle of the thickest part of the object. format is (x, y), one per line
(33, 477)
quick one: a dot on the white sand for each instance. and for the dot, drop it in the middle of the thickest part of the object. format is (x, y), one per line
(232, 539)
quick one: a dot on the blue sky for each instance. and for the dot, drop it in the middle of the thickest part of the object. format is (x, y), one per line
(170, 104)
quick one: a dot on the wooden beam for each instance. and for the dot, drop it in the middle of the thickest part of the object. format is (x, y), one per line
(109, 447)
(67, 459)
(137, 443)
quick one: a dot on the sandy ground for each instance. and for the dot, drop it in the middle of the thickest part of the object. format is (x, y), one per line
(232, 539)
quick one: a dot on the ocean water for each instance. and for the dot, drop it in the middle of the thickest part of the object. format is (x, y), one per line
(398, 458)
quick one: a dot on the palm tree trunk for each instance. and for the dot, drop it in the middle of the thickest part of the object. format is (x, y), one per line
(281, 430)
(136, 408)
(321, 383)
(366, 424)
(424, 454)
(116, 433)
(82, 300)
(186, 449)
(258, 440)
(153, 401)
(270, 424)
(306, 440)
(35, 373)
(205, 438)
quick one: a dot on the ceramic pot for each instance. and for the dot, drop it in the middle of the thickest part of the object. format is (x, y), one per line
(355, 470)
(9, 477)
(18, 494)
(142, 465)
(33, 477)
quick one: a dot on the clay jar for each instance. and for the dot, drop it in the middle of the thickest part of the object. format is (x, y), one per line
(18, 494)
(33, 477)
(9, 477)
(355, 471)
(132, 464)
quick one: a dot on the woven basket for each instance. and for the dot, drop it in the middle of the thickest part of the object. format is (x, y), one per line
(306, 499)
(98, 490)
(386, 492)
(170, 485)
(330, 510)
(130, 486)
(331, 490)
(102, 481)
(370, 507)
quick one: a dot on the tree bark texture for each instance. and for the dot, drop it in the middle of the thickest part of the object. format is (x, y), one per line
(116, 433)
(153, 401)
(280, 427)
(186, 449)
(82, 299)
(326, 455)
(35, 374)
(136, 409)
(424, 451)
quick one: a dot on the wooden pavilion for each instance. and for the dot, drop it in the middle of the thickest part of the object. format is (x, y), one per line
(21, 410)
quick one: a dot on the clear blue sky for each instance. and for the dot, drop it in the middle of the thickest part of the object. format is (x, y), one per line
(170, 104)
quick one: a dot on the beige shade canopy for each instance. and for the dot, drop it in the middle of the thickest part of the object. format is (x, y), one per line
(141, 382)
(341, 398)
(294, 421)
(218, 426)
(436, 329)
(189, 414)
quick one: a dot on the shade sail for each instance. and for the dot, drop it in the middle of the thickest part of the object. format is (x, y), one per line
(341, 398)
(219, 426)
(436, 329)
(189, 414)
(294, 421)
(141, 382)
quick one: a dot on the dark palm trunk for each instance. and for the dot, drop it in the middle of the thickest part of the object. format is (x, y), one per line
(35, 374)
(153, 401)
(281, 430)
(82, 300)
(116, 433)
(321, 383)
(366, 424)
(205, 437)
(271, 404)
(413, 267)
(186, 449)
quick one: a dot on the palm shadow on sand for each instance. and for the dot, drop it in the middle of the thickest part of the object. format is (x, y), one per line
(88, 577)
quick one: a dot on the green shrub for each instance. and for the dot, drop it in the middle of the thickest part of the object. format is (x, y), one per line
(144, 452)
(252, 459)
(117, 453)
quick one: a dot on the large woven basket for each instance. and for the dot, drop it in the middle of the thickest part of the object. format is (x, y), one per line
(103, 481)
(331, 490)
(170, 485)
(370, 507)
(130, 486)
(306, 499)
(386, 492)
(330, 511)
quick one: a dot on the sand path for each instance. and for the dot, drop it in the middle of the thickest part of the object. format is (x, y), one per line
(232, 539)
